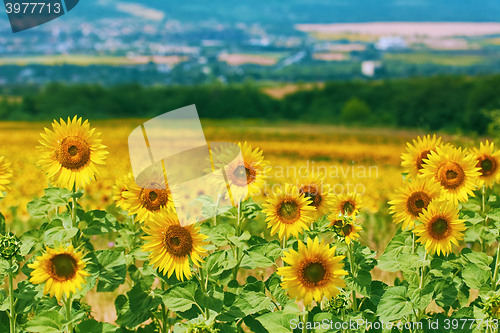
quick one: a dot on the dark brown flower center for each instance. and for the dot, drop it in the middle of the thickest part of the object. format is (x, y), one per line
(311, 191)
(347, 229)
(313, 273)
(423, 155)
(153, 197)
(417, 202)
(347, 208)
(487, 164)
(451, 175)
(178, 241)
(243, 175)
(63, 267)
(73, 152)
(439, 227)
(288, 211)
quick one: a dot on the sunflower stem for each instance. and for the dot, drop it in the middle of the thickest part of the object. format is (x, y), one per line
(351, 263)
(484, 244)
(304, 328)
(164, 311)
(494, 282)
(413, 243)
(12, 316)
(216, 208)
(237, 249)
(68, 314)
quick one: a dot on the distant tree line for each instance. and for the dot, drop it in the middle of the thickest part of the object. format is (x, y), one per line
(443, 102)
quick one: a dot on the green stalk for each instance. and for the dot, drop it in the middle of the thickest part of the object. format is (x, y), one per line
(304, 328)
(421, 285)
(494, 282)
(351, 263)
(413, 243)
(12, 316)
(484, 244)
(237, 249)
(68, 314)
(73, 210)
(164, 313)
(216, 208)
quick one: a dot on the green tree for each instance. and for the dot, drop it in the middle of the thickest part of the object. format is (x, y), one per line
(355, 110)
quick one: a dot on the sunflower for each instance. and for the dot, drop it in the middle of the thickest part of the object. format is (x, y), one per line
(313, 187)
(412, 199)
(288, 212)
(456, 172)
(346, 230)
(246, 175)
(70, 153)
(62, 270)
(314, 271)
(414, 158)
(347, 204)
(172, 243)
(440, 227)
(488, 160)
(146, 200)
(5, 175)
(119, 188)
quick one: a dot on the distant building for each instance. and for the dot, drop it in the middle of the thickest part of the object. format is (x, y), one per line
(369, 67)
(391, 43)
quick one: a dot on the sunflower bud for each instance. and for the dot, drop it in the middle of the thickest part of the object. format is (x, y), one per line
(492, 305)
(10, 246)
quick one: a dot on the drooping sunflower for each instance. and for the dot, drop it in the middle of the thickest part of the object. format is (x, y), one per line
(62, 270)
(119, 188)
(349, 232)
(415, 157)
(440, 227)
(172, 243)
(5, 175)
(313, 186)
(488, 160)
(412, 199)
(454, 170)
(146, 200)
(314, 271)
(288, 212)
(70, 153)
(245, 177)
(347, 204)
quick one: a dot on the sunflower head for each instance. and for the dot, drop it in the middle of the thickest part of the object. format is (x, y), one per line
(440, 227)
(347, 205)
(119, 188)
(454, 170)
(10, 246)
(245, 173)
(70, 153)
(313, 187)
(344, 228)
(412, 199)
(313, 272)
(173, 243)
(417, 153)
(488, 162)
(5, 176)
(62, 270)
(288, 212)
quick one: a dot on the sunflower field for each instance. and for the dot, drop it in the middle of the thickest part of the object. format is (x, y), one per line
(293, 259)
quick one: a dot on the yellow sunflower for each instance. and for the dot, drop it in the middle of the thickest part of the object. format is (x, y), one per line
(347, 204)
(62, 270)
(314, 187)
(70, 153)
(172, 243)
(245, 178)
(5, 175)
(440, 227)
(288, 212)
(454, 170)
(146, 200)
(350, 232)
(314, 272)
(119, 188)
(412, 199)
(488, 160)
(414, 158)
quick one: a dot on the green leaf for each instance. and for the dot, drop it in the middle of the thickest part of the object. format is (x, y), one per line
(213, 299)
(262, 255)
(180, 297)
(219, 234)
(2, 224)
(273, 284)
(278, 322)
(91, 325)
(99, 223)
(39, 207)
(421, 298)
(445, 293)
(125, 315)
(327, 318)
(475, 276)
(112, 269)
(142, 298)
(218, 262)
(360, 283)
(243, 305)
(395, 304)
(46, 322)
(401, 243)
